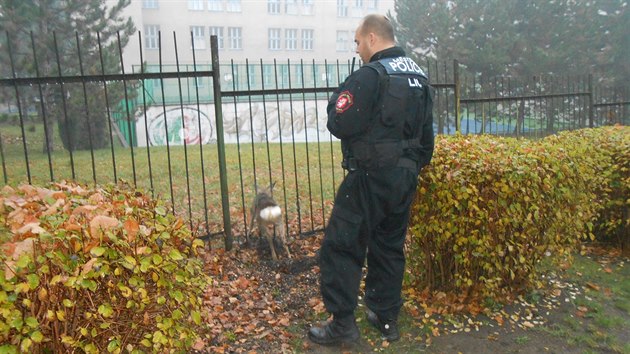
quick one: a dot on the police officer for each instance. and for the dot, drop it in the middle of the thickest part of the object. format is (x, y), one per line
(383, 115)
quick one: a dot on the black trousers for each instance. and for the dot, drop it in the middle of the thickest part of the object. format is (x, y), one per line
(370, 216)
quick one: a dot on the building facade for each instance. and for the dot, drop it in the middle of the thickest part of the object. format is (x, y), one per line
(248, 29)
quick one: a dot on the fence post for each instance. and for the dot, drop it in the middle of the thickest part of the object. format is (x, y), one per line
(457, 94)
(591, 123)
(218, 117)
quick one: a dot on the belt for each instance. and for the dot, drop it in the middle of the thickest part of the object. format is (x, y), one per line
(352, 164)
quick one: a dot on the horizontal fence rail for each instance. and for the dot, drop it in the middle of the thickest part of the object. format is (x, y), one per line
(206, 136)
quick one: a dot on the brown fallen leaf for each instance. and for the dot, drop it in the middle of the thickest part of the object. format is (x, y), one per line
(102, 223)
(32, 228)
(199, 344)
(592, 286)
(132, 228)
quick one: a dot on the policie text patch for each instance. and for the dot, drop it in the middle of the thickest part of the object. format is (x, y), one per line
(344, 101)
(402, 65)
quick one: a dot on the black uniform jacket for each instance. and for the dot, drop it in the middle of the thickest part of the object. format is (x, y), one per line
(351, 108)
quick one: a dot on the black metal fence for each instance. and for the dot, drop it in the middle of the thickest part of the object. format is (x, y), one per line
(204, 136)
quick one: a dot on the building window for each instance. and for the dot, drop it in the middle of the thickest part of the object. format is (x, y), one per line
(195, 5)
(217, 31)
(234, 6)
(273, 7)
(357, 9)
(342, 41)
(150, 4)
(151, 36)
(307, 7)
(307, 39)
(283, 76)
(198, 37)
(268, 75)
(298, 77)
(251, 75)
(274, 39)
(235, 37)
(290, 7)
(342, 8)
(215, 5)
(372, 4)
(198, 81)
(290, 39)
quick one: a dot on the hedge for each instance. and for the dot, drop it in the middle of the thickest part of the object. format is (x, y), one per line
(94, 271)
(489, 209)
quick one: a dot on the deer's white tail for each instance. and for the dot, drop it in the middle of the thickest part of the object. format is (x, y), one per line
(271, 213)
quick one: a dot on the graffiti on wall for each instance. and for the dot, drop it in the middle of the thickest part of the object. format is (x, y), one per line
(178, 126)
(243, 123)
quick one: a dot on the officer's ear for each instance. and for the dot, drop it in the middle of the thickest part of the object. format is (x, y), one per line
(371, 37)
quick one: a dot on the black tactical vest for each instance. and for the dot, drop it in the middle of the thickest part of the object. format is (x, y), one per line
(401, 110)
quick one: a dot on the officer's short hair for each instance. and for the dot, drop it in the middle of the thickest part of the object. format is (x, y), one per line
(378, 24)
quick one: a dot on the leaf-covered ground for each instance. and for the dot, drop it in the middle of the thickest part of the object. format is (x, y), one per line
(256, 305)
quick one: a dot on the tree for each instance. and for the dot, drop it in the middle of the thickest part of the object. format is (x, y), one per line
(517, 37)
(61, 37)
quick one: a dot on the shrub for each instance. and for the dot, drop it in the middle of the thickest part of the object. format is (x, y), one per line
(612, 145)
(101, 270)
(489, 209)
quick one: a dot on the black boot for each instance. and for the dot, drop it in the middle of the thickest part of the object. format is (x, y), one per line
(388, 328)
(335, 332)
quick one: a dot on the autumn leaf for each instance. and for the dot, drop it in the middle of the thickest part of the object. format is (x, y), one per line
(102, 223)
(32, 228)
(132, 228)
(88, 265)
(592, 286)
(22, 247)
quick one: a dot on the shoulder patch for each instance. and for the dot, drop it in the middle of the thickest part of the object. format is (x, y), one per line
(344, 101)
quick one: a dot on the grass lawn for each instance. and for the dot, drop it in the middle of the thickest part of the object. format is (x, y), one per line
(306, 178)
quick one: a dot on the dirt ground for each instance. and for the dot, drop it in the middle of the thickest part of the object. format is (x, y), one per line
(289, 292)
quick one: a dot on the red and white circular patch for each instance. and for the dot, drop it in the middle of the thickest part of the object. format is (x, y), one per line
(344, 101)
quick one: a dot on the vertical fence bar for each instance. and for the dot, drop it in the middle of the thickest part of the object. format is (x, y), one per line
(122, 69)
(64, 107)
(4, 167)
(146, 118)
(19, 106)
(203, 175)
(591, 112)
(168, 144)
(251, 118)
(264, 106)
(319, 146)
(42, 103)
(332, 154)
(87, 108)
(109, 116)
(218, 112)
(284, 182)
(308, 161)
(457, 95)
(295, 171)
(181, 109)
(238, 144)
